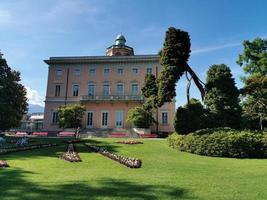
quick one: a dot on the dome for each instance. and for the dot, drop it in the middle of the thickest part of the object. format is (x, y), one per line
(120, 40)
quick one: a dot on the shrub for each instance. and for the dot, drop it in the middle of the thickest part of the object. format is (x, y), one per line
(212, 130)
(70, 116)
(222, 95)
(222, 142)
(140, 118)
(189, 117)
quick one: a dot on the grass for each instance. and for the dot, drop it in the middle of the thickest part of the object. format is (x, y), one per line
(165, 174)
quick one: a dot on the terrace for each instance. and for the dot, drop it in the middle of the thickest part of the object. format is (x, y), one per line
(112, 97)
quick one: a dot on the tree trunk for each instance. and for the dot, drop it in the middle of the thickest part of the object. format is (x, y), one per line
(197, 81)
(188, 87)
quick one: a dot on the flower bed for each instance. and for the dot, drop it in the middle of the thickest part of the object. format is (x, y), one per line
(42, 134)
(25, 148)
(3, 164)
(71, 155)
(148, 136)
(129, 142)
(129, 162)
(21, 134)
(66, 134)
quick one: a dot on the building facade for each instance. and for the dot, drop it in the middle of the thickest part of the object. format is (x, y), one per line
(108, 86)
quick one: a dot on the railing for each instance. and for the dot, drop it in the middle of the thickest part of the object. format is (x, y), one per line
(112, 97)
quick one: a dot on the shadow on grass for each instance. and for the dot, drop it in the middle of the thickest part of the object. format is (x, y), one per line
(14, 185)
(57, 150)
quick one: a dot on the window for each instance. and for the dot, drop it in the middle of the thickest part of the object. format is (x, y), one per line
(77, 72)
(59, 72)
(106, 71)
(119, 89)
(106, 90)
(135, 89)
(55, 117)
(92, 71)
(119, 119)
(75, 90)
(149, 70)
(135, 70)
(120, 71)
(164, 118)
(90, 119)
(104, 119)
(57, 91)
(91, 90)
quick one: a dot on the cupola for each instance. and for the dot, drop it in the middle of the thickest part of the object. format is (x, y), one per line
(119, 48)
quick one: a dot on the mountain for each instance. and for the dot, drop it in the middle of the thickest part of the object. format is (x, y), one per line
(35, 108)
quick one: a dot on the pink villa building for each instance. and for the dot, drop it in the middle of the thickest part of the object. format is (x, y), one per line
(107, 85)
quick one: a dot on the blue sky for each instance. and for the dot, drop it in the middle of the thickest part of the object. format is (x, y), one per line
(31, 31)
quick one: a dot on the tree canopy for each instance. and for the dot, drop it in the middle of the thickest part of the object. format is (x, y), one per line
(70, 116)
(254, 57)
(140, 117)
(173, 58)
(150, 91)
(255, 105)
(150, 86)
(254, 63)
(189, 117)
(13, 100)
(222, 96)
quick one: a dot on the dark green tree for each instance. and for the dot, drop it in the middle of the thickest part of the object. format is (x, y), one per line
(222, 96)
(150, 86)
(189, 117)
(255, 105)
(174, 56)
(150, 91)
(140, 117)
(254, 63)
(13, 101)
(70, 116)
(254, 57)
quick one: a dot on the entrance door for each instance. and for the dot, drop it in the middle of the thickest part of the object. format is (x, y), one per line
(104, 122)
(119, 119)
(90, 119)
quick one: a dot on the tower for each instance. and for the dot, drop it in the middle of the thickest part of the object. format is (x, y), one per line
(119, 48)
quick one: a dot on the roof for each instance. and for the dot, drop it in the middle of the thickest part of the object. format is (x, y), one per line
(120, 40)
(102, 59)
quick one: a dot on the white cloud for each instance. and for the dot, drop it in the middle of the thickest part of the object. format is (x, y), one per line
(34, 97)
(215, 48)
(5, 17)
(65, 12)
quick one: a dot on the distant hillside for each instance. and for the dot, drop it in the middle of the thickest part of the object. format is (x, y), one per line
(35, 108)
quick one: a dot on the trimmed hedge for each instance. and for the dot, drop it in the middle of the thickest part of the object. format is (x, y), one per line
(222, 142)
(25, 148)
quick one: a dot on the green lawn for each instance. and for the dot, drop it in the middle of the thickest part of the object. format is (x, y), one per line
(165, 174)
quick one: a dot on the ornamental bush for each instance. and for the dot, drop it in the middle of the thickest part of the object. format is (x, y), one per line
(70, 116)
(189, 117)
(222, 142)
(140, 117)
